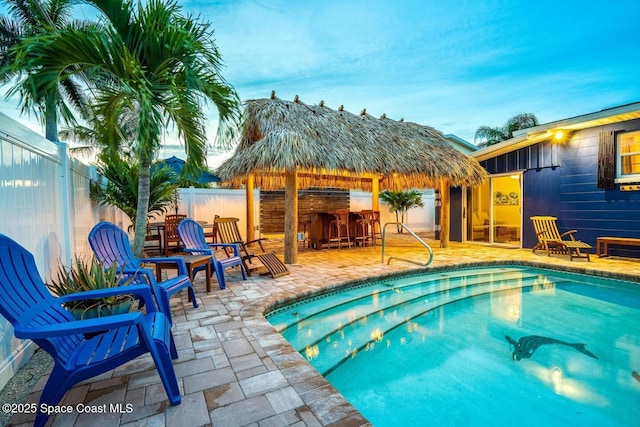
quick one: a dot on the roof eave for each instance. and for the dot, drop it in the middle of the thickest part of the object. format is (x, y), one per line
(533, 135)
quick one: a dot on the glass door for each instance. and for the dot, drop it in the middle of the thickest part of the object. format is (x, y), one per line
(506, 202)
(495, 214)
(479, 208)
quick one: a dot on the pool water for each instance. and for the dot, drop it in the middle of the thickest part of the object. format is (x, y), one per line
(510, 345)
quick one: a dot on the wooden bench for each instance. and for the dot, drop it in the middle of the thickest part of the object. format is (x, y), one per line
(606, 241)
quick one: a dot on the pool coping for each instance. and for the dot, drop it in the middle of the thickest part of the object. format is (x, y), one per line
(302, 375)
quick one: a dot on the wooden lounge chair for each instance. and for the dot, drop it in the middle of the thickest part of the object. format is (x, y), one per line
(193, 238)
(551, 240)
(228, 232)
(36, 314)
(110, 244)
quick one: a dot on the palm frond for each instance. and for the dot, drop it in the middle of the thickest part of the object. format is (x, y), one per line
(144, 60)
(121, 189)
(518, 122)
(50, 98)
(490, 136)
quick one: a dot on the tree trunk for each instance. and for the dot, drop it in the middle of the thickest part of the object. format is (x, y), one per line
(144, 186)
(51, 120)
(402, 218)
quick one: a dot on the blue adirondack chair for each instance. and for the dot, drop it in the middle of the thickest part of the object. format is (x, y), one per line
(193, 239)
(36, 314)
(111, 244)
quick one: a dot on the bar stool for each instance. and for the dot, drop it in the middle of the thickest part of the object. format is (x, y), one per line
(363, 227)
(341, 220)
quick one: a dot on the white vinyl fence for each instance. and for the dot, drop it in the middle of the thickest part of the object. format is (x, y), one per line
(44, 206)
(417, 219)
(204, 204)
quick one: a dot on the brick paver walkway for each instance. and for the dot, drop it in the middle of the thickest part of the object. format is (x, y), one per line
(235, 370)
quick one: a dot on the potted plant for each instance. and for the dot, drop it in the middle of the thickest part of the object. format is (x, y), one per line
(86, 276)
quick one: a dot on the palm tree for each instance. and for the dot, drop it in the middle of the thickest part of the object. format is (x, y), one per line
(147, 61)
(400, 202)
(28, 18)
(491, 136)
(121, 190)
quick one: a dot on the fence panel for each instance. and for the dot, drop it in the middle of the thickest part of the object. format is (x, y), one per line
(417, 219)
(45, 207)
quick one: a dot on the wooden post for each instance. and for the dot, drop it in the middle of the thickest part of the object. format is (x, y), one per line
(445, 213)
(250, 185)
(375, 190)
(291, 217)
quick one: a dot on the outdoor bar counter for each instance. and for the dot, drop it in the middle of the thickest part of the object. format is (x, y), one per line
(319, 229)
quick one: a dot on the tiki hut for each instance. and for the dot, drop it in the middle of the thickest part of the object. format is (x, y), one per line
(292, 145)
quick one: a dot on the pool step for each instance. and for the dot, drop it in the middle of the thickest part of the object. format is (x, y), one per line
(305, 328)
(365, 294)
(367, 332)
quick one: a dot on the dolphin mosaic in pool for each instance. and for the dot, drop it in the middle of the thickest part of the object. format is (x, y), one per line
(526, 346)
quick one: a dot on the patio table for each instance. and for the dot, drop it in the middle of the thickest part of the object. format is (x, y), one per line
(159, 227)
(191, 261)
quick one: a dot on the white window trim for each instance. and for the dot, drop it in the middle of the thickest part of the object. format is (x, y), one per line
(623, 179)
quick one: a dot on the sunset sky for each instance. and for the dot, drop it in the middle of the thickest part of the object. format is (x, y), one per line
(453, 65)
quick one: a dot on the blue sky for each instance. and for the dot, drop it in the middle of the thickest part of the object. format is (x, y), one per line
(453, 65)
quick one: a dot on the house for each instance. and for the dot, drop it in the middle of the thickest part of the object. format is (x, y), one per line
(584, 170)
(460, 144)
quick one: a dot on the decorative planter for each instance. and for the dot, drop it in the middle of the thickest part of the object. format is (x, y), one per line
(101, 310)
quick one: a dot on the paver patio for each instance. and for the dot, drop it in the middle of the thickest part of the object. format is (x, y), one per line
(234, 369)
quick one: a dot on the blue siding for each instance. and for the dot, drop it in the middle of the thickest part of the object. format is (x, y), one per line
(540, 196)
(566, 187)
(584, 207)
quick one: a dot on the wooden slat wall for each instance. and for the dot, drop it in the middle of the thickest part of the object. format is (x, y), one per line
(272, 206)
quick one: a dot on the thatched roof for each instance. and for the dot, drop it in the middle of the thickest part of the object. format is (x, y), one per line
(335, 148)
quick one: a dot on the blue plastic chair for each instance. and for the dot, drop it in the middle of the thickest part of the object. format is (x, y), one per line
(193, 239)
(36, 314)
(110, 245)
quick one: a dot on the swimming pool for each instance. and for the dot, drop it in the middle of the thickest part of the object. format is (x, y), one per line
(498, 345)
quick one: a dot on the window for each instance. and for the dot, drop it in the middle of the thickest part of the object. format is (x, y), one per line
(628, 163)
